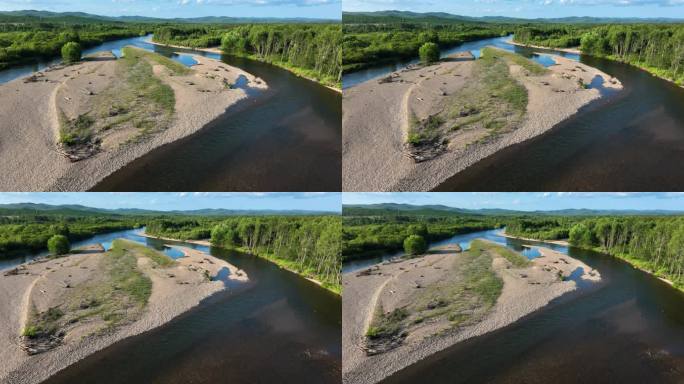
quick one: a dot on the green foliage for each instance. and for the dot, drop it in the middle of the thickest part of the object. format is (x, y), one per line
(415, 245)
(365, 45)
(71, 52)
(656, 48)
(367, 233)
(429, 53)
(34, 39)
(307, 245)
(58, 245)
(311, 50)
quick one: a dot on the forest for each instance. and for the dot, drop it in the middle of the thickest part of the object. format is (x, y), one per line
(656, 48)
(655, 244)
(308, 245)
(365, 45)
(30, 233)
(367, 236)
(310, 50)
(22, 43)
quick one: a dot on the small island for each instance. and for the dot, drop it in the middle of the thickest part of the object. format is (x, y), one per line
(416, 127)
(62, 308)
(71, 125)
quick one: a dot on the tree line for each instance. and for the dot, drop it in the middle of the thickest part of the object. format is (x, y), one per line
(655, 244)
(32, 42)
(365, 45)
(21, 234)
(309, 245)
(657, 48)
(312, 50)
(368, 236)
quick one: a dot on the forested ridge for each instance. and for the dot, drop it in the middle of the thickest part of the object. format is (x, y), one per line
(30, 42)
(310, 50)
(308, 245)
(657, 48)
(655, 244)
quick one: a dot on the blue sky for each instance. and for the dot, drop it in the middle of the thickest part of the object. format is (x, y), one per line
(529, 8)
(320, 9)
(527, 201)
(183, 201)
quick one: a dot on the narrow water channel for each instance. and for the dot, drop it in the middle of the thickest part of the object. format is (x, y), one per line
(281, 329)
(628, 329)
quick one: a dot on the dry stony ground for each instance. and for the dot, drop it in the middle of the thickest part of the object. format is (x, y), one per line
(380, 115)
(444, 297)
(123, 118)
(77, 296)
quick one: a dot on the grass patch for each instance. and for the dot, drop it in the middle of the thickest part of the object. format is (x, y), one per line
(531, 66)
(76, 131)
(518, 260)
(462, 297)
(159, 258)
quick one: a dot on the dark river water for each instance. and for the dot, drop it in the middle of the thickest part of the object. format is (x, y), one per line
(280, 329)
(627, 329)
(287, 138)
(630, 141)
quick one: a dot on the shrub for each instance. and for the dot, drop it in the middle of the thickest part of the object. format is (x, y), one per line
(58, 245)
(415, 245)
(71, 52)
(429, 53)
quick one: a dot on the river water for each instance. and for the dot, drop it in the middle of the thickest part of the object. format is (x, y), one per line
(627, 329)
(281, 329)
(629, 141)
(285, 139)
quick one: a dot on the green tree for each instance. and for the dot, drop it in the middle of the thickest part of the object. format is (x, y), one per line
(58, 245)
(71, 52)
(429, 53)
(415, 245)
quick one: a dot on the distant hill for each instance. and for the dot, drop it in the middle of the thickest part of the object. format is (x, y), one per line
(392, 209)
(392, 16)
(27, 16)
(80, 210)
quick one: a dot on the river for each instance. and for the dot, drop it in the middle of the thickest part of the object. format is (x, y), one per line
(283, 329)
(628, 329)
(629, 141)
(287, 138)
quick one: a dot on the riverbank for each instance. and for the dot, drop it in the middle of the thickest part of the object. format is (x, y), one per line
(651, 70)
(379, 115)
(567, 50)
(91, 124)
(285, 264)
(401, 286)
(638, 264)
(93, 299)
(303, 73)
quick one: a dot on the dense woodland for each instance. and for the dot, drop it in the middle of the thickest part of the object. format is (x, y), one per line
(308, 245)
(367, 236)
(311, 50)
(366, 45)
(656, 48)
(30, 233)
(37, 41)
(655, 244)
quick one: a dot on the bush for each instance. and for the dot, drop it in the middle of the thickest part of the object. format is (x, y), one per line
(71, 52)
(58, 245)
(415, 245)
(429, 53)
